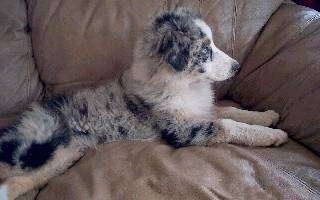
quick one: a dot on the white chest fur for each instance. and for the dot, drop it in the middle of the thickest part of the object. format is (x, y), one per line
(193, 100)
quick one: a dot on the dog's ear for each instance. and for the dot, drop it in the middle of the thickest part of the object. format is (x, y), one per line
(174, 49)
(173, 34)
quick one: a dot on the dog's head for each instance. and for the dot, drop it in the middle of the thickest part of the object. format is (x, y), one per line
(183, 43)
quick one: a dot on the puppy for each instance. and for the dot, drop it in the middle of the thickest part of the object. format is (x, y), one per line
(166, 94)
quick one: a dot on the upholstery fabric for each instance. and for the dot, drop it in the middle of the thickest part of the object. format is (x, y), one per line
(282, 73)
(19, 80)
(79, 43)
(149, 170)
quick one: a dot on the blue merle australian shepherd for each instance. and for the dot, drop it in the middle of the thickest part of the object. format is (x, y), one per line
(166, 94)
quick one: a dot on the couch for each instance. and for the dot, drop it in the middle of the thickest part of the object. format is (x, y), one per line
(53, 47)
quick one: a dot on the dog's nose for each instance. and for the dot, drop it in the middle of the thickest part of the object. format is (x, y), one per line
(235, 67)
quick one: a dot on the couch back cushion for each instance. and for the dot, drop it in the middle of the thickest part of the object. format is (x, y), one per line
(19, 80)
(283, 73)
(79, 43)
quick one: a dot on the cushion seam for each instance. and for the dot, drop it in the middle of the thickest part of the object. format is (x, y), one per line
(234, 24)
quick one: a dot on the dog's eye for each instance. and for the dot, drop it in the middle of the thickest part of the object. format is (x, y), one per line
(201, 70)
(208, 51)
(206, 54)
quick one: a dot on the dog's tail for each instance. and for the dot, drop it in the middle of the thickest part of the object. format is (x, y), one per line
(31, 142)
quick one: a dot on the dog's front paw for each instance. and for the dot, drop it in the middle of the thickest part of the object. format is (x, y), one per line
(273, 116)
(275, 138)
(270, 118)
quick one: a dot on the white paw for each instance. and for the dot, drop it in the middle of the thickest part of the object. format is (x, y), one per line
(3, 193)
(274, 117)
(276, 137)
(270, 118)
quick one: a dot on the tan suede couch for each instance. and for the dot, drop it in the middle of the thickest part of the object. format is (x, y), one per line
(49, 47)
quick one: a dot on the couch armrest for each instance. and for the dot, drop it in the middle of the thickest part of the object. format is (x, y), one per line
(283, 72)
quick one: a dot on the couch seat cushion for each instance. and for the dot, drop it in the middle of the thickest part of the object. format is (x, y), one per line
(151, 170)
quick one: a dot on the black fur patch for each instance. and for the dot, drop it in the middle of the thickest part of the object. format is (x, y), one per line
(138, 106)
(166, 44)
(179, 60)
(134, 108)
(61, 136)
(170, 18)
(7, 150)
(123, 131)
(108, 106)
(37, 155)
(171, 138)
(81, 132)
(8, 130)
(143, 103)
(55, 103)
(175, 50)
(83, 110)
(210, 129)
(178, 32)
(194, 132)
(102, 139)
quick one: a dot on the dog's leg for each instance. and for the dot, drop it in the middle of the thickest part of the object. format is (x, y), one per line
(63, 158)
(267, 118)
(230, 131)
(180, 132)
